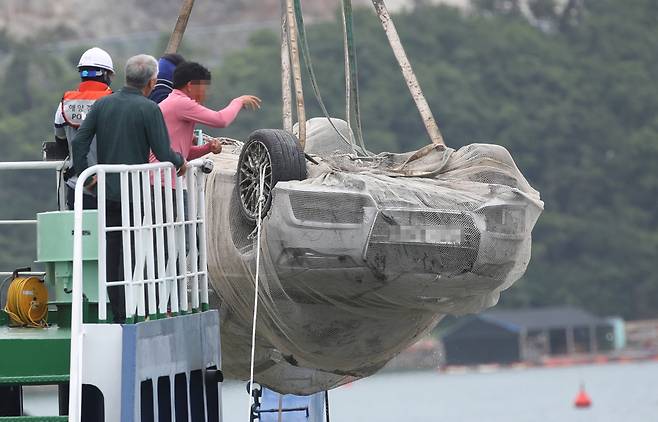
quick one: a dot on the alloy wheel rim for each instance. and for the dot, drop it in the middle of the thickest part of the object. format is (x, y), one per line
(256, 160)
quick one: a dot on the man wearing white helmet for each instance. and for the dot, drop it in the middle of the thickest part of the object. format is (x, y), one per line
(96, 72)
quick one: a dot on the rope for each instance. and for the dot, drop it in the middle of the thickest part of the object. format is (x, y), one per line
(286, 77)
(407, 72)
(261, 200)
(326, 405)
(351, 65)
(181, 24)
(296, 70)
(32, 314)
(280, 412)
(346, 63)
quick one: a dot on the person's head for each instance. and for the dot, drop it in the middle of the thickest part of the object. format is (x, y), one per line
(167, 64)
(96, 65)
(141, 72)
(193, 79)
(173, 58)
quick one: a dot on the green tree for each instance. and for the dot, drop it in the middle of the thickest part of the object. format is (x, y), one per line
(576, 106)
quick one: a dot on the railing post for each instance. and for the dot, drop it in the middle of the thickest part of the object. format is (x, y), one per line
(203, 258)
(160, 242)
(127, 256)
(102, 247)
(77, 328)
(171, 241)
(180, 246)
(147, 243)
(192, 217)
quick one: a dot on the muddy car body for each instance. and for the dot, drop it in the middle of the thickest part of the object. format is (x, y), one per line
(363, 256)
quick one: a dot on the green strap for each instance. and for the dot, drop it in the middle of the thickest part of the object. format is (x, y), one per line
(306, 55)
(355, 108)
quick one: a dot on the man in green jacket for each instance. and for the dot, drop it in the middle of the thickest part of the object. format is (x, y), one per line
(127, 126)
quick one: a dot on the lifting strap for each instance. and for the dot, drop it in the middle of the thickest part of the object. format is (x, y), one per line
(286, 78)
(408, 73)
(306, 55)
(179, 29)
(353, 108)
(296, 70)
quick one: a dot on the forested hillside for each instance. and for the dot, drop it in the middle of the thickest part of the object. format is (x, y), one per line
(573, 97)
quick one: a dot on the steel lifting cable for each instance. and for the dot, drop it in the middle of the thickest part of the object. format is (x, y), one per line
(261, 200)
(352, 73)
(306, 55)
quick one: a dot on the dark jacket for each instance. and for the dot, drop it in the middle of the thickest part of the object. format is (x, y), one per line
(161, 91)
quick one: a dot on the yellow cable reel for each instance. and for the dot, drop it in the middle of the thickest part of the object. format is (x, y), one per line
(27, 302)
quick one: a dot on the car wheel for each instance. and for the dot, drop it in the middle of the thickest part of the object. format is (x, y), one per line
(279, 155)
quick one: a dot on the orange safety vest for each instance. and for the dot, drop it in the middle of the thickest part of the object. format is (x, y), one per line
(76, 104)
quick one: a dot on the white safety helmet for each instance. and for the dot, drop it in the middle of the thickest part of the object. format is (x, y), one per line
(96, 57)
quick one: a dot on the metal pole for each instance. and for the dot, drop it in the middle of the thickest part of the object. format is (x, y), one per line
(171, 240)
(191, 228)
(77, 329)
(32, 165)
(147, 242)
(203, 258)
(160, 242)
(286, 96)
(102, 247)
(179, 29)
(296, 70)
(408, 73)
(181, 239)
(127, 247)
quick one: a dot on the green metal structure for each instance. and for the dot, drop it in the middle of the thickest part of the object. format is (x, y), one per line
(41, 356)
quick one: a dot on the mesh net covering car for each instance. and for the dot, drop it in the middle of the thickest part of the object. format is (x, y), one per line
(364, 257)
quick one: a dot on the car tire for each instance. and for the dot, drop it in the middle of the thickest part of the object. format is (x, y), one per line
(274, 151)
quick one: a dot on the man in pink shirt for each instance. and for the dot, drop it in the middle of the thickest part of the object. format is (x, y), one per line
(183, 109)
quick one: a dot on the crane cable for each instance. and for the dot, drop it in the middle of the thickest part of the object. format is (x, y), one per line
(306, 55)
(261, 200)
(352, 73)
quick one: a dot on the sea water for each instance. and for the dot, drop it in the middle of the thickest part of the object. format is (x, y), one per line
(619, 392)
(626, 392)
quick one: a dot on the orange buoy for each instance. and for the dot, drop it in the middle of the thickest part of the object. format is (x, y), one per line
(582, 399)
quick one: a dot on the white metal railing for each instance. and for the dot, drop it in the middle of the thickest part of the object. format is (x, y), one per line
(167, 253)
(57, 166)
(32, 165)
